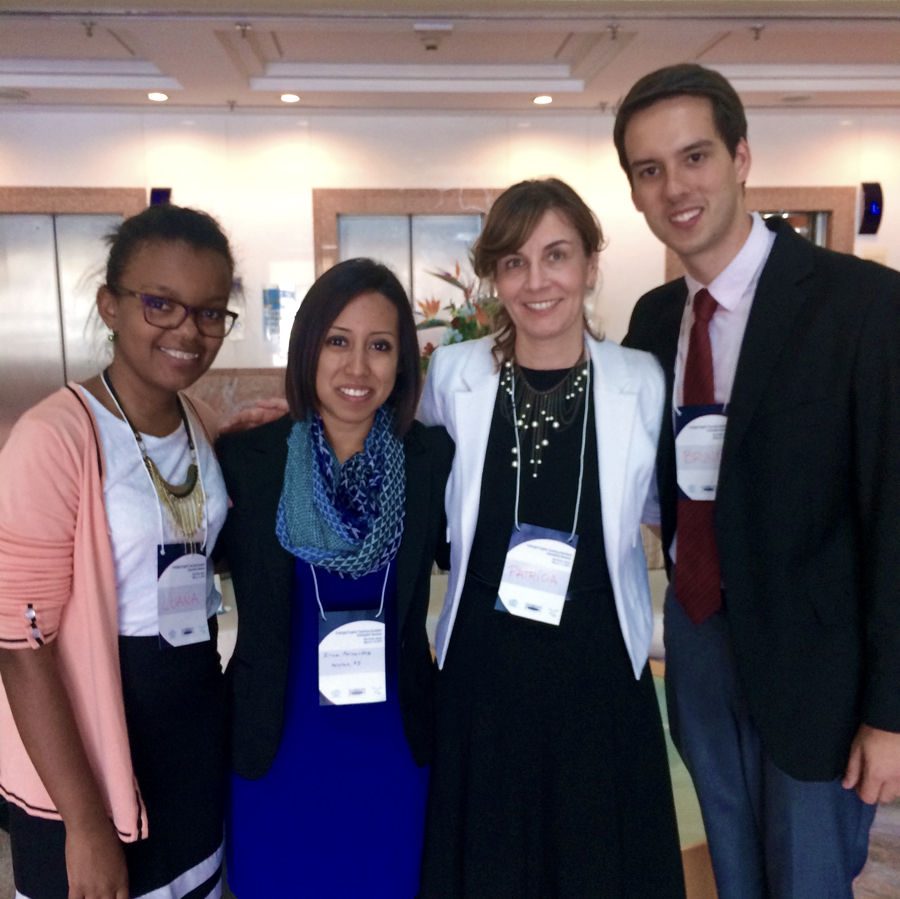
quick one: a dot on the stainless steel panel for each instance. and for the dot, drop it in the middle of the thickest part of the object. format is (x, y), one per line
(441, 243)
(385, 238)
(81, 253)
(50, 267)
(31, 365)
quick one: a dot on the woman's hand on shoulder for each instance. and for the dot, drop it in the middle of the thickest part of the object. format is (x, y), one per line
(95, 862)
(260, 413)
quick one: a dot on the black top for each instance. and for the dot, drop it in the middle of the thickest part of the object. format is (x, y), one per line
(263, 574)
(550, 775)
(809, 487)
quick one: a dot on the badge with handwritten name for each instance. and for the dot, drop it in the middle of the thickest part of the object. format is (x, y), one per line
(536, 574)
(181, 592)
(351, 658)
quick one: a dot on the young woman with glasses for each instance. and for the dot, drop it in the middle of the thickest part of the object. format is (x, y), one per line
(112, 714)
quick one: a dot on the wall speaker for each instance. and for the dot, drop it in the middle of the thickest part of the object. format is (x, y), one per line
(872, 205)
(162, 195)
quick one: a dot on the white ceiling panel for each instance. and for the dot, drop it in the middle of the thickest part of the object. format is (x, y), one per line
(492, 55)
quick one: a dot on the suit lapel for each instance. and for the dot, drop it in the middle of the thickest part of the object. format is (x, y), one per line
(274, 451)
(473, 410)
(277, 565)
(669, 324)
(615, 405)
(412, 547)
(669, 319)
(779, 298)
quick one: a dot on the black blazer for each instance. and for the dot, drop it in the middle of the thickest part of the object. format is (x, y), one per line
(808, 505)
(263, 574)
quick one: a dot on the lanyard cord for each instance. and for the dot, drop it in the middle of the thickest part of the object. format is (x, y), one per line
(387, 571)
(587, 397)
(145, 457)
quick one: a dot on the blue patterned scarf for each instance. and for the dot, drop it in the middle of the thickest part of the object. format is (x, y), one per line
(347, 518)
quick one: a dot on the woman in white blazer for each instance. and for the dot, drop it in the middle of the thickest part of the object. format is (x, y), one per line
(550, 776)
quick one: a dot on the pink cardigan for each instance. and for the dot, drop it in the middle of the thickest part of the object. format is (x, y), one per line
(57, 574)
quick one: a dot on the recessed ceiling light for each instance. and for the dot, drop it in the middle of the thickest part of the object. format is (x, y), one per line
(290, 98)
(157, 96)
(542, 100)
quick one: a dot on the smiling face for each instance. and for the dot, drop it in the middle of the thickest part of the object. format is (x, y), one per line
(153, 361)
(357, 370)
(686, 183)
(542, 287)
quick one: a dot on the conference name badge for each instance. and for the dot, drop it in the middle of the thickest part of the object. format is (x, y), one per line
(181, 591)
(699, 437)
(536, 574)
(352, 658)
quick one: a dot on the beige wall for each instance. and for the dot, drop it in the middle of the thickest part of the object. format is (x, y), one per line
(257, 172)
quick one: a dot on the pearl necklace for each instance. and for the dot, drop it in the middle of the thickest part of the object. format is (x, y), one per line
(538, 413)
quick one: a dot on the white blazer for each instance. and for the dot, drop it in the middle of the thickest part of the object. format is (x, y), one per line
(628, 388)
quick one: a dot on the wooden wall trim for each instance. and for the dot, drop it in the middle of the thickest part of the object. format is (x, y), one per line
(839, 201)
(329, 203)
(126, 201)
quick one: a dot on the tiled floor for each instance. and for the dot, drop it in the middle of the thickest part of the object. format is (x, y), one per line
(879, 880)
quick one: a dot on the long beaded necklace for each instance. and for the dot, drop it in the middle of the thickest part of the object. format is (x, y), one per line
(538, 413)
(184, 503)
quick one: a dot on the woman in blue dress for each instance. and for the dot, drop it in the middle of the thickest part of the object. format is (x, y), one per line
(336, 518)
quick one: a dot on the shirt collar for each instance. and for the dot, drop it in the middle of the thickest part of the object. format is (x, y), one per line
(730, 286)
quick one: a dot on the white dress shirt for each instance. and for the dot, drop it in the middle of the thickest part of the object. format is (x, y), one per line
(733, 289)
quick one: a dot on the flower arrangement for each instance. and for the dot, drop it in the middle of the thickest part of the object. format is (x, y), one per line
(468, 320)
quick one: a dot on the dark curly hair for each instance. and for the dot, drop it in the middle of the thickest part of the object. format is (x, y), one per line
(165, 222)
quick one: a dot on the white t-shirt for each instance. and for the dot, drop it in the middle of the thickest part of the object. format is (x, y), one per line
(138, 523)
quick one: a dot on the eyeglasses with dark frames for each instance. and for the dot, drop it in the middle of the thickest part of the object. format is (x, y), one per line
(166, 313)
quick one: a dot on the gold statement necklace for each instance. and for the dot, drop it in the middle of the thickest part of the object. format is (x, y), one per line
(183, 502)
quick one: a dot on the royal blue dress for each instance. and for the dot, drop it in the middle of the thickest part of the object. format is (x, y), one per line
(341, 811)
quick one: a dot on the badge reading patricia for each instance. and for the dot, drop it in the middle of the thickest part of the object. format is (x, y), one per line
(536, 574)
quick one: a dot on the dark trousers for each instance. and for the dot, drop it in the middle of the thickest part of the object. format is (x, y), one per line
(769, 835)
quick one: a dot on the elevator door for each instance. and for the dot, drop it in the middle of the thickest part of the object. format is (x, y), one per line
(50, 268)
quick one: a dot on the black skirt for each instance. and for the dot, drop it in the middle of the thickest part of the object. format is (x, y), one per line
(550, 777)
(174, 706)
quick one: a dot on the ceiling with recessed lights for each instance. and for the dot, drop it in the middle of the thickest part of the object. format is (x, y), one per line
(492, 55)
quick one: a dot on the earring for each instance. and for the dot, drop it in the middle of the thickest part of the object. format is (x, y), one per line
(112, 336)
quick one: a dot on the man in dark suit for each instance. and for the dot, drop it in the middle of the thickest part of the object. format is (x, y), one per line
(779, 485)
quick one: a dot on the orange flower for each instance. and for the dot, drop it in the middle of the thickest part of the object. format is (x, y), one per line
(429, 308)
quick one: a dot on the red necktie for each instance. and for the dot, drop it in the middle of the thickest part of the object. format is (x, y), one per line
(697, 577)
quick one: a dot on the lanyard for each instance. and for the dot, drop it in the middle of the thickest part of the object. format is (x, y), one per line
(387, 571)
(145, 458)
